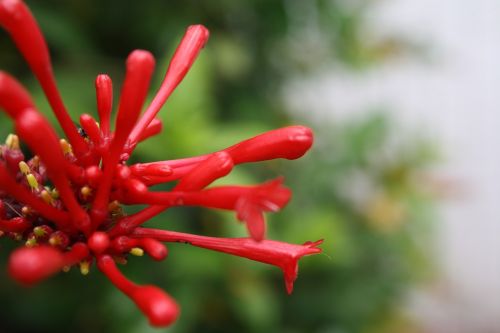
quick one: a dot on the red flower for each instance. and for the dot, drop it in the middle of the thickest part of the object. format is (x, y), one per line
(65, 202)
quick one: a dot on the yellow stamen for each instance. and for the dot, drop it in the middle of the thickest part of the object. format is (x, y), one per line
(55, 193)
(33, 183)
(137, 251)
(35, 161)
(31, 242)
(26, 210)
(47, 197)
(84, 267)
(86, 192)
(54, 241)
(66, 269)
(12, 141)
(25, 169)
(66, 147)
(39, 232)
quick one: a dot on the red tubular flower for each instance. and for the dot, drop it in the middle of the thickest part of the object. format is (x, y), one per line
(30, 265)
(66, 202)
(282, 255)
(16, 18)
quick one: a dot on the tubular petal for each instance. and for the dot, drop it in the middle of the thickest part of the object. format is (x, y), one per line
(14, 99)
(193, 41)
(282, 255)
(159, 307)
(17, 19)
(104, 96)
(140, 66)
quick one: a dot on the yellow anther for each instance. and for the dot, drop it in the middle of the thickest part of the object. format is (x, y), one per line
(86, 192)
(137, 251)
(35, 161)
(114, 206)
(84, 267)
(26, 211)
(66, 269)
(45, 195)
(65, 146)
(54, 241)
(23, 166)
(39, 231)
(12, 141)
(31, 242)
(17, 236)
(55, 193)
(33, 183)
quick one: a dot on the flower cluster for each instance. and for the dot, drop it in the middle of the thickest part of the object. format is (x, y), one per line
(65, 201)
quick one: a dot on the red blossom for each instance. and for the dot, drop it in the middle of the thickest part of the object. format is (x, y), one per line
(66, 202)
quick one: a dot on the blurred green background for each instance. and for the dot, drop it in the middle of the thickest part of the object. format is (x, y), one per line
(376, 239)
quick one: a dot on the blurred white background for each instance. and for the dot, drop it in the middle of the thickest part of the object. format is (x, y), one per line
(453, 94)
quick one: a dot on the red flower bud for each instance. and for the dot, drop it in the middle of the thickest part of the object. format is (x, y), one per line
(159, 307)
(31, 265)
(16, 18)
(99, 242)
(140, 66)
(193, 41)
(104, 96)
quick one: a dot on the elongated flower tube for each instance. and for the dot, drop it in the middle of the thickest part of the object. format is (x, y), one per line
(282, 255)
(193, 41)
(65, 203)
(16, 18)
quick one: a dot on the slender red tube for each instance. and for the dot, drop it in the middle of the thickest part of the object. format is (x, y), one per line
(16, 224)
(104, 97)
(140, 66)
(157, 306)
(40, 137)
(155, 127)
(282, 255)
(13, 97)
(31, 265)
(16, 18)
(193, 41)
(288, 142)
(91, 128)
(207, 172)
